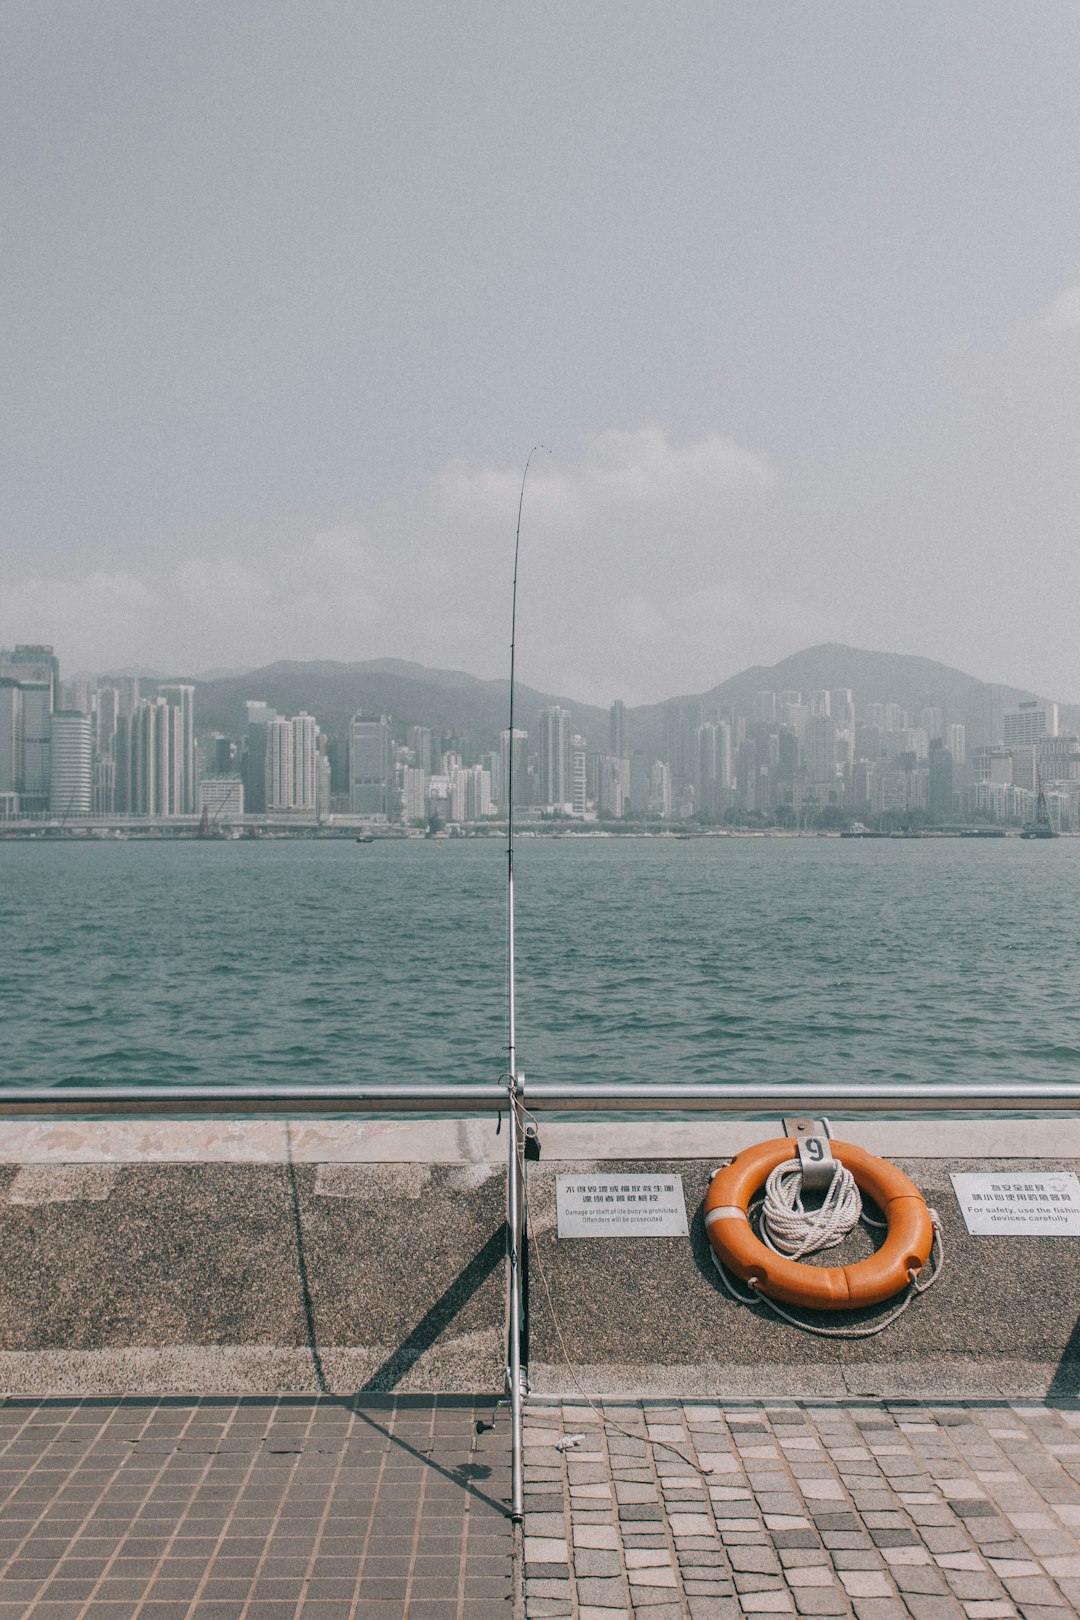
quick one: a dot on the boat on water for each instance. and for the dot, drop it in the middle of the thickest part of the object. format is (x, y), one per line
(1042, 826)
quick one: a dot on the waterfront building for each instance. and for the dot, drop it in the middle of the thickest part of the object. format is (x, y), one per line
(554, 751)
(579, 796)
(278, 766)
(638, 788)
(154, 759)
(71, 781)
(371, 765)
(37, 670)
(10, 736)
(940, 787)
(521, 770)
(181, 697)
(414, 794)
(305, 741)
(103, 801)
(660, 790)
(222, 798)
(956, 743)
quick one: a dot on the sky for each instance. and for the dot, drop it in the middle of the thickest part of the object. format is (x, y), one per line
(790, 292)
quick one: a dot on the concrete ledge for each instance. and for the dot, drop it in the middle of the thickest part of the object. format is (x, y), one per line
(650, 1315)
(474, 1141)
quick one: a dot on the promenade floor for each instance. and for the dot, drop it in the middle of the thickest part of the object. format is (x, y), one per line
(257, 1508)
(883, 1510)
(305, 1507)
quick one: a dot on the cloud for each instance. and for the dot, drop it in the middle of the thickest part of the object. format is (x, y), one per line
(615, 469)
(637, 550)
(65, 611)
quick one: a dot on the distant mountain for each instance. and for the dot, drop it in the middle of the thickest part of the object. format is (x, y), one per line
(449, 700)
(912, 682)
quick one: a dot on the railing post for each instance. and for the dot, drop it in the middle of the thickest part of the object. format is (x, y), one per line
(515, 1224)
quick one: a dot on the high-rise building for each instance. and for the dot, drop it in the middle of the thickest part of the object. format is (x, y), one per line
(820, 749)
(956, 743)
(763, 708)
(940, 788)
(222, 798)
(554, 750)
(617, 729)
(154, 759)
(1023, 726)
(578, 776)
(278, 767)
(370, 765)
(413, 794)
(842, 708)
(305, 746)
(516, 768)
(418, 739)
(37, 673)
(931, 721)
(71, 777)
(182, 699)
(10, 736)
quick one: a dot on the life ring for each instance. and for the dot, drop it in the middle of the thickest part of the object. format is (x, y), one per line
(904, 1252)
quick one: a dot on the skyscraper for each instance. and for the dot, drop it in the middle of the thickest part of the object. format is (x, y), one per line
(518, 768)
(304, 751)
(618, 729)
(278, 767)
(70, 763)
(370, 765)
(182, 699)
(555, 791)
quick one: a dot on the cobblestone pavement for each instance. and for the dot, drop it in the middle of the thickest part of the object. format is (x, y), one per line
(254, 1509)
(882, 1510)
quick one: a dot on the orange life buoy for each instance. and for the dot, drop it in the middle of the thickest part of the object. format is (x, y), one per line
(825, 1288)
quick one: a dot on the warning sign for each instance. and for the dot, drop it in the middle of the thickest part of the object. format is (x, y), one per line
(1028, 1204)
(621, 1206)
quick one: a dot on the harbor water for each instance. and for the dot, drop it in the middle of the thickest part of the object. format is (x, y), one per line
(749, 960)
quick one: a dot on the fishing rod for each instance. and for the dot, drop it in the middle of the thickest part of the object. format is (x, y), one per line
(511, 1011)
(515, 1187)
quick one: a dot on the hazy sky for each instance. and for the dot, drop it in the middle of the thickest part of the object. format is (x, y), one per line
(792, 291)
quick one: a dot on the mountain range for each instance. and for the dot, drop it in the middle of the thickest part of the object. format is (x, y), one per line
(453, 702)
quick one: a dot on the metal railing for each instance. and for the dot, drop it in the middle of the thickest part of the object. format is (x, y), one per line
(89, 1102)
(86, 1102)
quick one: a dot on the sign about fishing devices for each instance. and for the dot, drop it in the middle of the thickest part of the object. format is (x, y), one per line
(602, 1205)
(1028, 1204)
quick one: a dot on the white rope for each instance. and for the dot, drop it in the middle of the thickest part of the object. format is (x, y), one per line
(789, 1228)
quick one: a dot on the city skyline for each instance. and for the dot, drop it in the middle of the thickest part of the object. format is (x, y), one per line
(794, 756)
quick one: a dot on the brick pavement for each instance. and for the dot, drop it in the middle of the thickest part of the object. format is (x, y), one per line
(257, 1508)
(883, 1510)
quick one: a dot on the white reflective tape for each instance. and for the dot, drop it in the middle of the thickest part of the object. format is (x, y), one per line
(725, 1212)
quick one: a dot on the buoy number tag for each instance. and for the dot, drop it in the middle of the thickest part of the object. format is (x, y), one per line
(816, 1162)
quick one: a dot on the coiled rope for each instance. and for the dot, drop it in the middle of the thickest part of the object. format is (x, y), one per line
(789, 1228)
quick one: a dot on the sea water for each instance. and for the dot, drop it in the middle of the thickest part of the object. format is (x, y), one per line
(749, 960)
